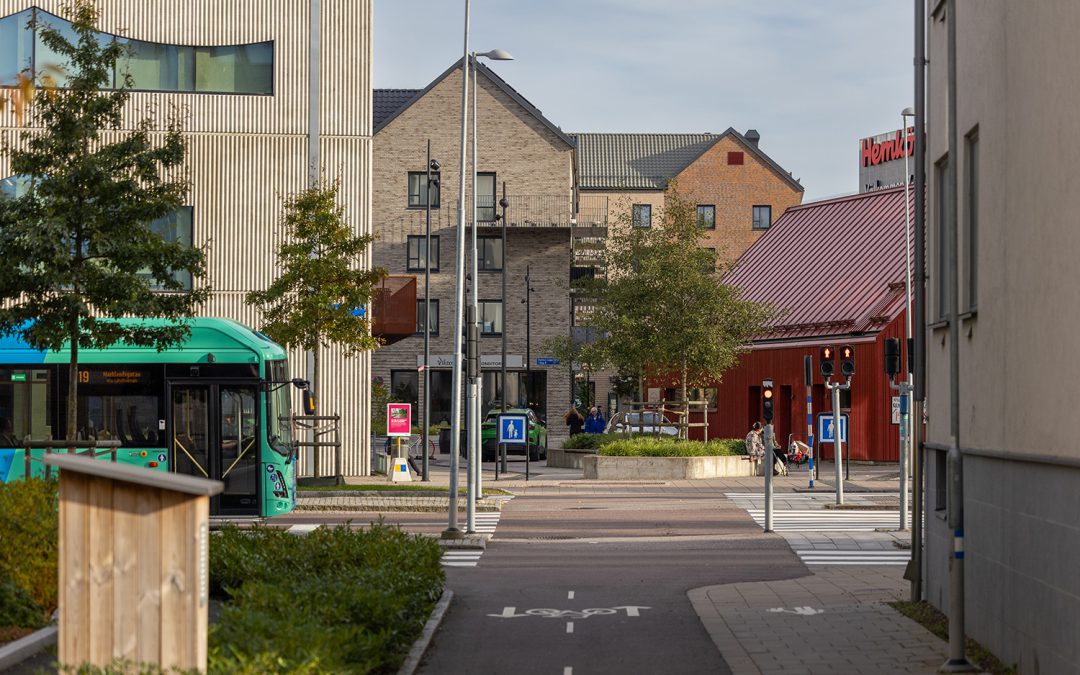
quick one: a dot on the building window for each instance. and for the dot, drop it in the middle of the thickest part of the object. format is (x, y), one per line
(491, 317)
(971, 220)
(174, 228)
(418, 189)
(418, 253)
(433, 317)
(152, 66)
(762, 217)
(735, 158)
(642, 215)
(706, 216)
(485, 197)
(941, 171)
(405, 387)
(489, 253)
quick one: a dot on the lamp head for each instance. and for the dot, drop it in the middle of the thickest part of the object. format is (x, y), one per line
(435, 166)
(504, 202)
(496, 55)
(907, 112)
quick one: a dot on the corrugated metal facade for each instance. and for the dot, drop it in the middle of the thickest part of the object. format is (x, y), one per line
(247, 152)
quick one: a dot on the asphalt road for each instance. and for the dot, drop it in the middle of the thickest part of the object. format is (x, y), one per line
(596, 583)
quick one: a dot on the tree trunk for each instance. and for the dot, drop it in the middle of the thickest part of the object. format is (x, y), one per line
(685, 431)
(73, 383)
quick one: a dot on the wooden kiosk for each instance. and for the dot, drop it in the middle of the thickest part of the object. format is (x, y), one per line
(133, 564)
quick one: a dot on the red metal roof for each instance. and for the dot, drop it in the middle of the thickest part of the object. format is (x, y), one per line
(835, 267)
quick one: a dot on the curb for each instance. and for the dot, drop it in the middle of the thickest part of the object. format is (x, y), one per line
(731, 650)
(412, 661)
(23, 648)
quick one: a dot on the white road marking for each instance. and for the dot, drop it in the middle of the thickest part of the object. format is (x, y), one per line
(570, 595)
(569, 626)
(568, 671)
(304, 528)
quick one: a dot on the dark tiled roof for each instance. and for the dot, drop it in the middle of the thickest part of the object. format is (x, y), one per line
(649, 161)
(386, 102)
(636, 161)
(481, 69)
(834, 267)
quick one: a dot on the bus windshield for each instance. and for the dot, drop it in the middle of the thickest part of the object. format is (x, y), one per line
(278, 409)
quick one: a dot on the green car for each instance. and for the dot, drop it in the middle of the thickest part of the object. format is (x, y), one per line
(489, 436)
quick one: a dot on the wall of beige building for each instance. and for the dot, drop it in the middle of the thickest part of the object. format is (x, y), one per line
(247, 152)
(534, 162)
(1016, 86)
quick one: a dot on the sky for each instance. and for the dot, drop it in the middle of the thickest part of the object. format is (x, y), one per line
(812, 77)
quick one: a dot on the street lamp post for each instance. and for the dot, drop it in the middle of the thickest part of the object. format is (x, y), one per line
(528, 350)
(503, 203)
(432, 166)
(906, 387)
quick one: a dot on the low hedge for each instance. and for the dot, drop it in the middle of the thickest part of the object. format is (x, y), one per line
(593, 441)
(335, 600)
(670, 447)
(29, 532)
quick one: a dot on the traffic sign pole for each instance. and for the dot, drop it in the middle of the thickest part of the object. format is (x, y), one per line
(838, 452)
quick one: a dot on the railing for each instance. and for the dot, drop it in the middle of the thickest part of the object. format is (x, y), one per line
(592, 211)
(325, 431)
(94, 449)
(522, 211)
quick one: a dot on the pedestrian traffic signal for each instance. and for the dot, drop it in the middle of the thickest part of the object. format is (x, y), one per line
(847, 360)
(827, 362)
(767, 402)
(892, 357)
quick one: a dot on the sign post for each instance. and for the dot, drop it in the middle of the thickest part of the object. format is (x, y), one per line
(399, 425)
(514, 430)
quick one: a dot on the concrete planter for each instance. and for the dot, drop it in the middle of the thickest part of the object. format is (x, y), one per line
(568, 458)
(665, 468)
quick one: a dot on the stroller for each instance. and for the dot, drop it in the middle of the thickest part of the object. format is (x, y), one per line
(798, 453)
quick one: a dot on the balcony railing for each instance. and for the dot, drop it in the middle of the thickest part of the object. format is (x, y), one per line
(535, 211)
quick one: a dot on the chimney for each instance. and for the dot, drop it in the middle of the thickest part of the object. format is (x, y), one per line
(753, 136)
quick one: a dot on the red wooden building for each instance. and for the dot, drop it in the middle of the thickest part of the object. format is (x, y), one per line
(836, 270)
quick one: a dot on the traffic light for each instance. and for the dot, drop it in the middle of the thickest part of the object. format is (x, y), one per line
(767, 395)
(847, 360)
(892, 357)
(827, 361)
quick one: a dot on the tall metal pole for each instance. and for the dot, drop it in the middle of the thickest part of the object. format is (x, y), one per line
(957, 661)
(919, 320)
(427, 320)
(905, 392)
(767, 464)
(314, 90)
(838, 451)
(528, 353)
(452, 530)
(472, 409)
(502, 446)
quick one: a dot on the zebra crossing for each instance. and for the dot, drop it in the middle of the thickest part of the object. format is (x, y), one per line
(823, 536)
(486, 523)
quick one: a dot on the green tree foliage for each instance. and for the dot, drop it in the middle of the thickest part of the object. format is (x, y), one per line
(77, 246)
(664, 308)
(322, 279)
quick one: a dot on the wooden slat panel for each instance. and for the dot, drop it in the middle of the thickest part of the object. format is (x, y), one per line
(127, 532)
(178, 583)
(73, 565)
(148, 575)
(100, 546)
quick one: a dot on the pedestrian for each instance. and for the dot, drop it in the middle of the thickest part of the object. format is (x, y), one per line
(574, 420)
(594, 424)
(755, 447)
(779, 459)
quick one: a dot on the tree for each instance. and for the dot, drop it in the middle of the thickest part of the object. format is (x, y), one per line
(314, 302)
(78, 245)
(664, 308)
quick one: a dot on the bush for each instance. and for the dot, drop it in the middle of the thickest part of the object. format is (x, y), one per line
(669, 447)
(592, 441)
(29, 532)
(17, 608)
(336, 600)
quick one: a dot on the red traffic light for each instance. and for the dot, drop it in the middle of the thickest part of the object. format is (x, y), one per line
(826, 361)
(847, 360)
(768, 393)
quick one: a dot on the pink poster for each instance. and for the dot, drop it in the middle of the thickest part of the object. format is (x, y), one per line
(398, 419)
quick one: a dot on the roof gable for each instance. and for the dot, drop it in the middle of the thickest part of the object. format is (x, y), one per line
(481, 69)
(385, 103)
(834, 267)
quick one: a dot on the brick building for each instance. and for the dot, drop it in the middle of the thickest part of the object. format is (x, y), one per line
(738, 188)
(519, 148)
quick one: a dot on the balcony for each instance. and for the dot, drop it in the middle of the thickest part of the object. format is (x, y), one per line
(394, 308)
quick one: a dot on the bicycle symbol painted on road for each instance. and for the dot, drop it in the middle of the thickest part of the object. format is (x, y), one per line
(549, 613)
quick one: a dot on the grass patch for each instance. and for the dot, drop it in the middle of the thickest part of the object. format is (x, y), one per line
(668, 447)
(336, 600)
(937, 623)
(396, 487)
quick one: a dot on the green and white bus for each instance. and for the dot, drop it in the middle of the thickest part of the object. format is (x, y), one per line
(215, 406)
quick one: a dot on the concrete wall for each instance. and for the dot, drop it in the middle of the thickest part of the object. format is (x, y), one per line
(245, 153)
(534, 163)
(1018, 85)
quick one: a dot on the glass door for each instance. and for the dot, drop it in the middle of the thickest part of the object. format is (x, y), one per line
(215, 436)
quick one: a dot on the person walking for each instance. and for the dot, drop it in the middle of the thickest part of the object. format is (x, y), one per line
(594, 424)
(755, 446)
(574, 420)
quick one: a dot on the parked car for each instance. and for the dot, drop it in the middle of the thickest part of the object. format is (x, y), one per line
(635, 422)
(489, 436)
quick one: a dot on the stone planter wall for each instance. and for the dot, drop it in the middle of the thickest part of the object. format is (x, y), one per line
(665, 468)
(568, 458)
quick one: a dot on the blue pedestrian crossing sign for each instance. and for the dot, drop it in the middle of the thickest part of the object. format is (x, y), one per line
(826, 434)
(513, 429)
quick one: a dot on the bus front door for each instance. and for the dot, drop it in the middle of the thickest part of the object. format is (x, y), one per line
(215, 435)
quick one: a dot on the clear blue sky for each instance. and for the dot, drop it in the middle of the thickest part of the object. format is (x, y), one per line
(811, 77)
